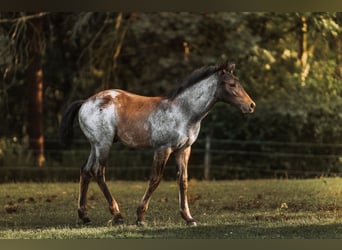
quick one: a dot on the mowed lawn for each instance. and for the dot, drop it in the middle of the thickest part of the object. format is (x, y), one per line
(248, 209)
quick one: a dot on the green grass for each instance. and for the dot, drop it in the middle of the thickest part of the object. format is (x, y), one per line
(251, 209)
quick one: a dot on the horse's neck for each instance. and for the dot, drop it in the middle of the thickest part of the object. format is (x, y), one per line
(197, 100)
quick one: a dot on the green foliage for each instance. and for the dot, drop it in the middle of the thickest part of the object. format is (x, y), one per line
(157, 50)
(14, 153)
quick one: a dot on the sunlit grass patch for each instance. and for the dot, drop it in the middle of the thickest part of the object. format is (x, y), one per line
(223, 209)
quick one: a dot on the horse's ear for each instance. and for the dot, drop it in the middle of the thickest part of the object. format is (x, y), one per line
(223, 67)
(231, 68)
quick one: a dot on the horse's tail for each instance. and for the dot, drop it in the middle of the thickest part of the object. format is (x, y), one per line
(66, 126)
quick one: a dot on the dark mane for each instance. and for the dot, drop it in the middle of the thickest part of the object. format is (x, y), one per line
(195, 77)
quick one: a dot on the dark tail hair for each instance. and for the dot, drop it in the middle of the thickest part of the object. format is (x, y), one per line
(66, 128)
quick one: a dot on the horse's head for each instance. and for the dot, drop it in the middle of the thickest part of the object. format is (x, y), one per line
(231, 91)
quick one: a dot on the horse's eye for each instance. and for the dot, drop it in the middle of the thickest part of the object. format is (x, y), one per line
(232, 84)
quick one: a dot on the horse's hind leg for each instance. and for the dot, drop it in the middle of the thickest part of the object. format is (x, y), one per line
(85, 178)
(97, 121)
(82, 202)
(113, 205)
(95, 167)
(101, 181)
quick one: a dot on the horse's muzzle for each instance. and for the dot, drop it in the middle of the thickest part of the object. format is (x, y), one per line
(248, 108)
(252, 107)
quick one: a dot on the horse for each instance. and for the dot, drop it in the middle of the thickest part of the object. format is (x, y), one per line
(168, 124)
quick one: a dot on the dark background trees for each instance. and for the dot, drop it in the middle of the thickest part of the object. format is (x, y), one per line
(290, 63)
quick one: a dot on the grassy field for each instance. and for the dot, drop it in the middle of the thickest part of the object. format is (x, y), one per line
(251, 209)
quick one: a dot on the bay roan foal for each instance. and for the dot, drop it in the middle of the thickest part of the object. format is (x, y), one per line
(168, 125)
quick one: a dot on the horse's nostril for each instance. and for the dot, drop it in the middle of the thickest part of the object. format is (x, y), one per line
(252, 105)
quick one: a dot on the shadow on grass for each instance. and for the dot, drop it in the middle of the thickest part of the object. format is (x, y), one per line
(329, 231)
(172, 231)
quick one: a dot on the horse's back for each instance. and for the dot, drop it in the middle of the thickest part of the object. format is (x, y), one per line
(118, 113)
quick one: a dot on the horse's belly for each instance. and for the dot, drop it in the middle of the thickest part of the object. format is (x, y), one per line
(134, 136)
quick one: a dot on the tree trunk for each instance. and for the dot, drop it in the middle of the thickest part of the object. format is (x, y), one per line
(207, 158)
(339, 55)
(34, 83)
(303, 50)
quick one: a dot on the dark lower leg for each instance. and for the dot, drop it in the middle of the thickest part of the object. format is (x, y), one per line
(159, 161)
(113, 205)
(142, 208)
(82, 201)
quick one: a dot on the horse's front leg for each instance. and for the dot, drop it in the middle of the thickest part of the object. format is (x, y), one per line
(182, 158)
(159, 162)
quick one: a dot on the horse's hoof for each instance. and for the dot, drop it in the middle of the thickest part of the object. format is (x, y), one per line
(140, 223)
(115, 221)
(192, 224)
(86, 221)
(118, 220)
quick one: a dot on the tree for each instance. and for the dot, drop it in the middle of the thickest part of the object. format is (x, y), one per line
(27, 35)
(35, 85)
(290, 63)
